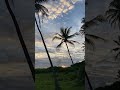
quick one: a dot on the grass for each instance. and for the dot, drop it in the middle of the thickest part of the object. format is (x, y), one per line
(69, 78)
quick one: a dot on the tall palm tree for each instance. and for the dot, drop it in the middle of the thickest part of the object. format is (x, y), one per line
(44, 12)
(113, 13)
(117, 49)
(57, 87)
(65, 37)
(31, 66)
(89, 37)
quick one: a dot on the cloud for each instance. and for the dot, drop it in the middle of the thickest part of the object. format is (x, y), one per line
(59, 8)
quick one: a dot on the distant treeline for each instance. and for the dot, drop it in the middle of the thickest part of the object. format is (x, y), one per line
(72, 68)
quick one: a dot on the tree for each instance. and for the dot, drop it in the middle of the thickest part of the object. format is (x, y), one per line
(87, 24)
(31, 66)
(89, 37)
(117, 49)
(113, 16)
(113, 13)
(57, 87)
(43, 10)
(40, 9)
(65, 37)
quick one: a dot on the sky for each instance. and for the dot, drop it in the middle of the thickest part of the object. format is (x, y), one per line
(65, 13)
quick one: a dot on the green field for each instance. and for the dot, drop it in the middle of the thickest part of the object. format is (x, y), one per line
(71, 78)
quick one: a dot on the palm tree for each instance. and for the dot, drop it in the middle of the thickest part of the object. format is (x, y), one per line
(31, 66)
(65, 37)
(117, 49)
(40, 9)
(89, 37)
(113, 13)
(43, 10)
(57, 87)
(88, 24)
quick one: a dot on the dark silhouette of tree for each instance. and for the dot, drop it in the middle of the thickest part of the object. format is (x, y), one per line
(44, 13)
(40, 9)
(113, 16)
(65, 37)
(118, 76)
(117, 49)
(31, 66)
(57, 87)
(113, 13)
(87, 24)
(88, 37)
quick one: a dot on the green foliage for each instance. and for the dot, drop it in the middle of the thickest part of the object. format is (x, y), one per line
(71, 78)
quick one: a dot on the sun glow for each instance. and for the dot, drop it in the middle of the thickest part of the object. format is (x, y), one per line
(63, 66)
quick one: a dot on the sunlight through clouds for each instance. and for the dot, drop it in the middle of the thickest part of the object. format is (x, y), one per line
(56, 9)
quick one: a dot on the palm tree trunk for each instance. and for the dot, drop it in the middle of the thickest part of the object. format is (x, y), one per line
(91, 88)
(57, 87)
(69, 53)
(31, 66)
(39, 20)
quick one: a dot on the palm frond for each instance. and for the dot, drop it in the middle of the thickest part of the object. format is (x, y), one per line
(118, 54)
(73, 35)
(118, 43)
(82, 32)
(42, 9)
(90, 42)
(62, 31)
(69, 30)
(74, 41)
(95, 37)
(92, 22)
(114, 3)
(56, 37)
(116, 49)
(59, 45)
(119, 38)
(59, 35)
(71, 43)
(113, 13)
(112, 17)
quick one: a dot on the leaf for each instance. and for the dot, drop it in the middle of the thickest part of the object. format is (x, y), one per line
(117, 56)
(90, 42)
(74, 41)
(95, 37)
(69, 42)
(60, 44)
(56, 37)
(118, 43)
(116, 49)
